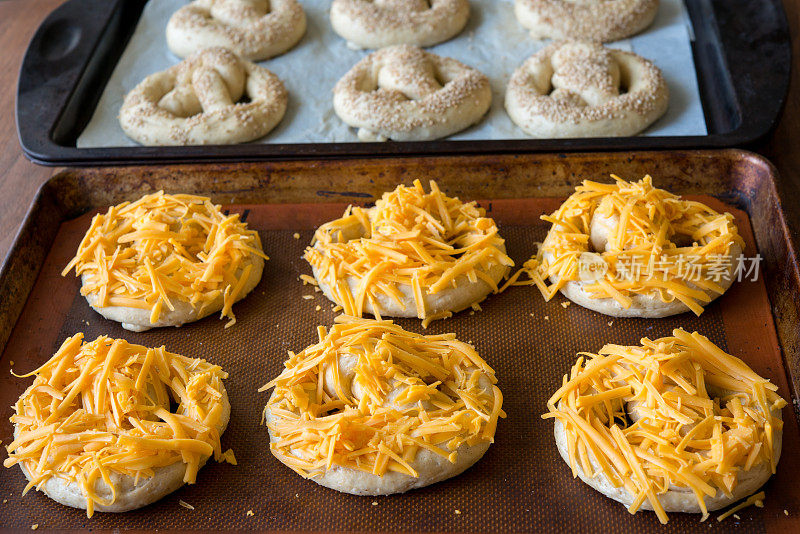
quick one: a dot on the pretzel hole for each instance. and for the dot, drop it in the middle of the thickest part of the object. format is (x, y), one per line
(331, 411)
(440, 78)
(624, 80)
(367, 85)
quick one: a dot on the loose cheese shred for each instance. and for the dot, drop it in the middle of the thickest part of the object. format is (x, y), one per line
(370, 396)
(755, 499)
(424, 241)
(675, 412)
(663, 245)
(166, 248)
(104, 406)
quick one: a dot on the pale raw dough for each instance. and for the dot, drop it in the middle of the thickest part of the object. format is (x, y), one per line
(380, 23)
(453, 299)
(196, 102)
(598, 20)
(582, 89)
(253, 29)
(404, 93)
(676, 499)
(648, 305)
(138, 320)
(431, 467)
(129, 496)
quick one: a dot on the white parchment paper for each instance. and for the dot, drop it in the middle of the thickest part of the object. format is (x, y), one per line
(493, 42)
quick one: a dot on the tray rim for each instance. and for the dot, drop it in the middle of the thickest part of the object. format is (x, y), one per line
(44, 150)
(49, 189)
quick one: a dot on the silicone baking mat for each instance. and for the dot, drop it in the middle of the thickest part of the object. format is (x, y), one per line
(521, 484)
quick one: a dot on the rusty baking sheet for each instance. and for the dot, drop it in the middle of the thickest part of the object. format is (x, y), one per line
(521, 484)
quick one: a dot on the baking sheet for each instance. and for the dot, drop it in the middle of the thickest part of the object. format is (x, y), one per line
(520, 485)
(493, 42)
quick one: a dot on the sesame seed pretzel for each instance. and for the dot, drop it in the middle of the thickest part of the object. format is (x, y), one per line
(599, 20)
(254, 29)
(582, 89)
(407, 94)
(195, 102)
(379, 23)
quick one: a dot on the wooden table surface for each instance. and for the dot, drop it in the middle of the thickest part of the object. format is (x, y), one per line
(19, 178)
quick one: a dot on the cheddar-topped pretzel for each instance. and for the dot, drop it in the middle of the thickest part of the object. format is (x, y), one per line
(95, 429)
(373, 409)
(414, 254)
(165, 260)
(673, 425)
(629, 249)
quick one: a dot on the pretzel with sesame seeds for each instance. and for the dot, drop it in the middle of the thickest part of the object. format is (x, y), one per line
(196, 102)
(379, 23)
(582, 89)
(404, 93)
(254, 29)
(599, 20)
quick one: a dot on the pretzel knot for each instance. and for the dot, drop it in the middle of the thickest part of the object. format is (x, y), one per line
(407, 94)
(380, 23)
(254, 29)
(195, 102)
(599, 20)
(581, 89)
(373, 409)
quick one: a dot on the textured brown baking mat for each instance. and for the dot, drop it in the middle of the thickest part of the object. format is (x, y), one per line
(520, 485)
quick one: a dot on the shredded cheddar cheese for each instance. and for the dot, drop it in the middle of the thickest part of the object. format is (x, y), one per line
(675, 412)
(424, 241)
(661, 245)
(162, 248)
(370, 395)
(104, 406)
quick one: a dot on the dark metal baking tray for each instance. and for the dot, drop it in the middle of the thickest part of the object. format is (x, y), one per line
(742, 55)
(521, 485)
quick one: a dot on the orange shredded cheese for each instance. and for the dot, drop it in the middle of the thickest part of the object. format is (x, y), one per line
(164, 248)
(423, 241)
(676, 411)
(104, 406)
(443, 394)
(663, 245)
